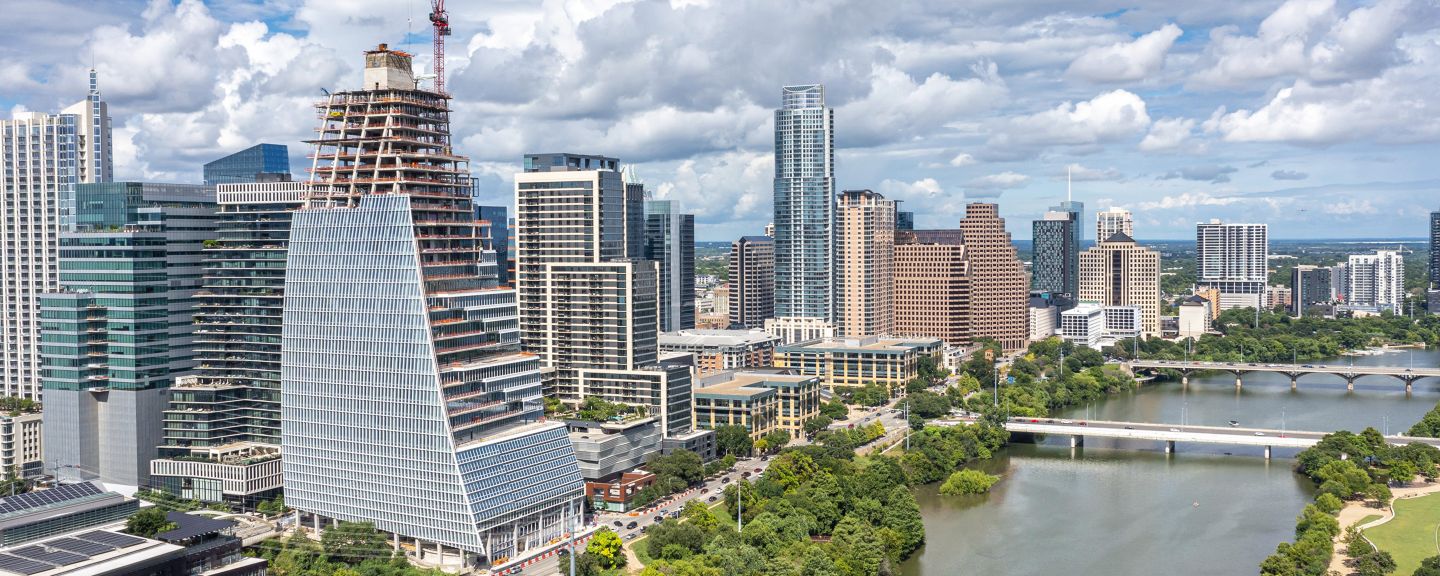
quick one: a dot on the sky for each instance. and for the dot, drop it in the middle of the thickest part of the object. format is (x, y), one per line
(1318, 117)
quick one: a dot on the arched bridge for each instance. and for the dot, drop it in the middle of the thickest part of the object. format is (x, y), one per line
(1294, 371)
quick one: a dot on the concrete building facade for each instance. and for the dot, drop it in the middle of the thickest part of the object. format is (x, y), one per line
(752, 281)
(999, 290)
(670, 243)
(865, 293)
(1108, 222)
(805, 205)
(842, 362)
(1119, 272)
(722, 350)
(1234, 259)
(1377, 280)
(932, 292)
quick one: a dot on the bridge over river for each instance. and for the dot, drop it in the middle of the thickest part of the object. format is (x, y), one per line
(1267, 438)
(1294, 371)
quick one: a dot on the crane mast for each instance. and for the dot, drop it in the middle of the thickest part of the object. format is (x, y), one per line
(440, 21)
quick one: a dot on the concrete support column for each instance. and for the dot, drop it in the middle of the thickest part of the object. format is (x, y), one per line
(1350, 383)
(1238, 383)
(1409, 386)
(1184, 379)
(1169, 446)
(1267, 452)
(1077, 441)
(315, 520)
(396, 539)
(1293, 384)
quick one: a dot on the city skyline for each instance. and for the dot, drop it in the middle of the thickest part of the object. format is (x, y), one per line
(1178, 114)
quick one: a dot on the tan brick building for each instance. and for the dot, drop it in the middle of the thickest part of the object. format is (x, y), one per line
(999, 290)
(1119, 272)
(932, 292)
(865, 260)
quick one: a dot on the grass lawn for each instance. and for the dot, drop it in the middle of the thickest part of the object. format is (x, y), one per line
(1410, 537)
(1368, 519)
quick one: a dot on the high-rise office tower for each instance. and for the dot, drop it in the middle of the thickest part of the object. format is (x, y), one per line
(258, 163)
(1435, 252)
(222, 427)
(120, 331)
(866, 261)
(1108, 222)
(999, 294)
(752, 281)
(406, 401)
(497, 216)
(634, 214)
(804, 205)
(670, 242)
(904, 220)
(1119, 272)
(586, 308)
(42, 156)
(1233, 259)
(1056, 240)
(1310, 285)
(1377, 280)
(932, 291)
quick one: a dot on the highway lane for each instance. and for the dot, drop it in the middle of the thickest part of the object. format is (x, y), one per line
(1290, 368)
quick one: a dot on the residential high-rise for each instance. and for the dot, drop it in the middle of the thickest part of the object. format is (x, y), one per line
(932, 292)
(805, 205)
(752, 281)
(1119, 272)
(1377, 280)
(1233, 259)
(406, 401)
(119, 331)
(670, 242)
(1056, 241)
(499, 238)
(1432, 295)
(1108, 222)
(999, 293)
(1309, 285)
(634, 214)
(42, 156)
(258, 163)
(589, 310)
(222, 427)
(866, 260)
(904, 220)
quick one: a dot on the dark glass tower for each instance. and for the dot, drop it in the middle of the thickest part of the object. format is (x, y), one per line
(258, 163)
(1056, 260)
(670, 242)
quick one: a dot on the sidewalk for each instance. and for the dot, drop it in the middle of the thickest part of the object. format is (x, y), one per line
(1356, 511)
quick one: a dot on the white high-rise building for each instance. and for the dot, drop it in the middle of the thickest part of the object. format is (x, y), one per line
(1108, 222)
(1233, 259)
(805, 205)
(1377, 280)
(43, 157)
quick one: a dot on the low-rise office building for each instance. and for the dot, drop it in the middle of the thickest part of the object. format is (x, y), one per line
(840, 362)
(21, 447)
(1083, 325)
(798, 395)
(738, 402)
(65, 508)
(608, 449)
(618, 495)
(720, 350)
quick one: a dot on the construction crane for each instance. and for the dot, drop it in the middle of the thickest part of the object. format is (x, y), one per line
(440, 20)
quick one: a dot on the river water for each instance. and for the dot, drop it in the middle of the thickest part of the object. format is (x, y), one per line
(1125, 508)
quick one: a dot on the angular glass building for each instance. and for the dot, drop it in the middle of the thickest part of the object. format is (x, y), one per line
(258, 163)
(804, 205)
(406, 401)
(670, 242)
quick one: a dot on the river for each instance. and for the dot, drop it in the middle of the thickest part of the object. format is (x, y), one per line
(1125, 508)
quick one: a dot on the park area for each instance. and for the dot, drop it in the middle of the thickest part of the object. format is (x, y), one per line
(1411, 536)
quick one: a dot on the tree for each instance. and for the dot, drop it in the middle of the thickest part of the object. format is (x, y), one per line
(698, 514)
(1377, 563)
(681, 464)
(1329, 503)
(606, 546)
(792, 469)
(902, 514)
(926, 404)
(835, 409)
(777, 439)
(272, 507)
(734, 440)
(1380, 493)
(354, 542)
(1402, 472)
(148, 522)
(1428, 567)
(685, 536)
(968, 481)
(816, 424)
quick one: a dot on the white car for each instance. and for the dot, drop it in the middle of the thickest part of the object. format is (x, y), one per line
(1259, 433)
(1174, 429)
(1067, 421)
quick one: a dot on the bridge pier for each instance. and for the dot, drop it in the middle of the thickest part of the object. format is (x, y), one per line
(1267, 452)
(1350, 382)
(1185, 380)
(1169, 446)
(1077, 441)
(1238, 383)
(1294, 385)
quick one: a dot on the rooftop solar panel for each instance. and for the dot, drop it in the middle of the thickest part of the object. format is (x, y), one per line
(43, 497)
(111, 538)
(80, 546)
(23, 566)
(49, 555)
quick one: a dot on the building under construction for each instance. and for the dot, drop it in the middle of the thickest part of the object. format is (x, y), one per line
(406, 400)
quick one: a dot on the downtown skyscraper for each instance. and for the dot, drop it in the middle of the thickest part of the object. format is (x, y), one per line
(406, 401)
(43, 157)
(1057, 240)
(865, 293)
(752, 281)
(670, 243)
(805, 207)
(1234, 259)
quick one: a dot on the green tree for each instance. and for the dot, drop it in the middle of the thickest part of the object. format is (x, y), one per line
(1402, 472)
(835, 409)
(734, 440)
(1428, 567)
(968, 481)
(680, 464)
(902, 514)
(816, 424)
(684, 535)
(698, 514)
(1377, 563)
(1329, 503)
(148, 522)
(926, 404)
(354, 542)
(606, 546)
(791, 469)
(1380, 493)
(777, 439)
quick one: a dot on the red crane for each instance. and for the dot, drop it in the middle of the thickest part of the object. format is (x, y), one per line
(440, 20)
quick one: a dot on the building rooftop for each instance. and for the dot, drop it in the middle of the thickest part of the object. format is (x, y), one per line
(743, 386)
(92, 552)
(715, 338)
(867, 343)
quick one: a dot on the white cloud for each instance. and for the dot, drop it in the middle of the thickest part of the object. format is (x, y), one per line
(1289, 175)
(1213, 173)
(1079, 173)
(918, 189)
(1002, 181)
(1188, 200)
(897, 104)
(1167, 134)
(1107, 117)
(1349, 207)
(1126, 61)
(962, 159)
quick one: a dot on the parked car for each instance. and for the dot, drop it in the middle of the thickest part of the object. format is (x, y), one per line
(725, 480)
(619, 524)
(710, 499)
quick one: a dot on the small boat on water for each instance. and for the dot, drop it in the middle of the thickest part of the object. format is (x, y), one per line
(1234, 423)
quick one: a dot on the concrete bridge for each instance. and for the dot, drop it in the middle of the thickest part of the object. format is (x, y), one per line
(1267, 438)
(1294, 371)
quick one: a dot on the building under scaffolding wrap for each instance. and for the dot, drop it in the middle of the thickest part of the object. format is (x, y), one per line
(406, 400)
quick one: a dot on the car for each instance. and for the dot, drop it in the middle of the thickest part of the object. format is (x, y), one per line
(1050, 421)
(660, 517)
(619, 524)
(1253, 364)
(765, 458)
(704, 490)
(1034, 420)
(1067, 421)
(675, 514)
(631, 525)
(710, 499)
(1307, 366)
(1082, 422)
(1129, 427)
(1259, 433)
(759, 470)
(745, 474)
(725, 480)
(1174, 429)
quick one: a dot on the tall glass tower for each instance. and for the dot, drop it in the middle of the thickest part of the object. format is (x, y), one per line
(804, 205)
(405, 398)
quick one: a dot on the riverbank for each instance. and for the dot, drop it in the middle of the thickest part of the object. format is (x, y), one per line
(1354, 512)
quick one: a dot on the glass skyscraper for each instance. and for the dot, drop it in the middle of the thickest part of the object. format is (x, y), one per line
(1057, 240)
(405, 398)
(804, 205)
(499, 238)
(258, 163)
(670, 242)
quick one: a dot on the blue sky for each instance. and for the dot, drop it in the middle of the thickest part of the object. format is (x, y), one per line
(1318, 117)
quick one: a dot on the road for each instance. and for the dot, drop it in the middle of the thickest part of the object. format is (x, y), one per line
(1176, 432)
(711, 488)
(1402, 371)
